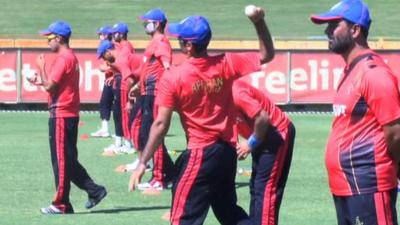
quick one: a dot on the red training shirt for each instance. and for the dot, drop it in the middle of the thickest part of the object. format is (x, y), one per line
(357, 157)
(249, 101)
(200, 90)
(158, 51)
(64, 100)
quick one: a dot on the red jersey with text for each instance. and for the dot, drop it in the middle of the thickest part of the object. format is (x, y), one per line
(200, 90)
(129, 66)
(158, 51)
(64, 100)
(249, 101)
(357, 157)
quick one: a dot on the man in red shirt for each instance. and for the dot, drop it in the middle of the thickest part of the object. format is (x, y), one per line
(157, 59)
(107, 95)
(200, 90)
(270, 138)
(120, 37)
(129, 66)
(62, 84)
(363, 150)
(120, 115)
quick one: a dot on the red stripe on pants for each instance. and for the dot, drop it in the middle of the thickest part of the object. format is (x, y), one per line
(158, 157)
(125, 115)
(60, 149)
(270, 199)
(383, 208)
(185, 184)
(135, 127)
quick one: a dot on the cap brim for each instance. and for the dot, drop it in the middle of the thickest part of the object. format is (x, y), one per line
(173, 29)
(325, 18)
(45, 32)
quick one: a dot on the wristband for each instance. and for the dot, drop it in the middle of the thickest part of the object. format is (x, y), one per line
(253, 142)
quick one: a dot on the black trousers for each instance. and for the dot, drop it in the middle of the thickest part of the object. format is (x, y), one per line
(106, 102)
(63, 134)
(270, 169)
(163, 166)
(117, 111)
(206, 177)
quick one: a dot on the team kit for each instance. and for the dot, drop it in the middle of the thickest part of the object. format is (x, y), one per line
(215, 107)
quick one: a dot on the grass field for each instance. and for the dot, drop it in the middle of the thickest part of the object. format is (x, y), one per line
(26, 179)
(287, 18)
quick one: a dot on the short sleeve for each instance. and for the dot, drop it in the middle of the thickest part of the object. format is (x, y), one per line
(58, 69)
(164, 52)
(136, 63)
(167, 91)
(243, 63)
(245, 100)
(123, 65)
(382, 94)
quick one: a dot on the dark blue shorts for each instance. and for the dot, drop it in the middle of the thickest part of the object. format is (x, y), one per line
(368, 209)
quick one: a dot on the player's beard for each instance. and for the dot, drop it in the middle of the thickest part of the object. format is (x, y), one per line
(341, 44)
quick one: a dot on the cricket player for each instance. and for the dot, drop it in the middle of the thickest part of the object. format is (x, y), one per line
(157, 59)
(200, 90)
(120, 114)
(62, 85)
(363, 150)
(126, 64)
(107, 95)
(269, 139)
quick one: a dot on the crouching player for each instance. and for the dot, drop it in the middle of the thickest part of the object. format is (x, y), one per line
(270, 137)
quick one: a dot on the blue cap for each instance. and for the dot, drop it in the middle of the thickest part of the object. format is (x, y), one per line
(154, 15)
(103, 47)
(59, 28)
(193, 28)
(120, 28)
(106, 30)
(355, 11)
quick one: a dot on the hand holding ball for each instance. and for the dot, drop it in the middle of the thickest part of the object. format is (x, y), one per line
(254, 13)
(250, 10)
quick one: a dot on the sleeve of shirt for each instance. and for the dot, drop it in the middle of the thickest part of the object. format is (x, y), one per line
(58, 69)
(124, 69)
(382, 94)
(136, 63)
(245, 101)
(243, 63)
(164, 52)
(167, 91)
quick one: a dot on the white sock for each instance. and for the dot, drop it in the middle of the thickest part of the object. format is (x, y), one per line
(104, 125)
(118, 141)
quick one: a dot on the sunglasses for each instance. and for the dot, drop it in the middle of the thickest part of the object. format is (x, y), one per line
(51, 37)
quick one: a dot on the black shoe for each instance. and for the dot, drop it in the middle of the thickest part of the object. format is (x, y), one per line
(93, 201)
(54, 210)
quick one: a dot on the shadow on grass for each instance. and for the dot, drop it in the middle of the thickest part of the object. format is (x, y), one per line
(122, 209)
(241, 184)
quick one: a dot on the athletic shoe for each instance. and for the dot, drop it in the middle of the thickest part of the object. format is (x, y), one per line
(124, 150)
(54, 210)
(100, 133)
(93, 201)
(111, 148)
(152, 184)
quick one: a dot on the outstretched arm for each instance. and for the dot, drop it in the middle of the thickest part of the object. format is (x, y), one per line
(267, 50)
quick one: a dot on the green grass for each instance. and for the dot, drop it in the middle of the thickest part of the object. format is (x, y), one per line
(286, 18)
(26, 179)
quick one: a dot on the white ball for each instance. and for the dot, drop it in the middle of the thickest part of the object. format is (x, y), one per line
(250, 10)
